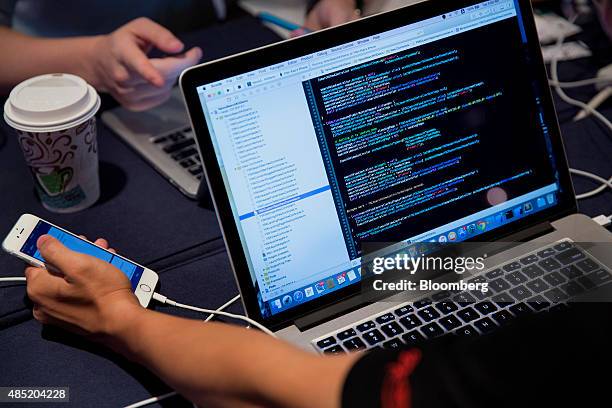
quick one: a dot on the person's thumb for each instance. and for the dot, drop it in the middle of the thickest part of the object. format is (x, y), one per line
(58, 257)
(156, 34)
(172, 66)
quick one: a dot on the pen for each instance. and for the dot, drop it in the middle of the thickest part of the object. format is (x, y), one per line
(272, 19)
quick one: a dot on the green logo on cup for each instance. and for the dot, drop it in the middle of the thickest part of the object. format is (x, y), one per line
(55, 181)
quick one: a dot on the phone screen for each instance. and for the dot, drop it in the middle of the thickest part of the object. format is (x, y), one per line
(131, 270)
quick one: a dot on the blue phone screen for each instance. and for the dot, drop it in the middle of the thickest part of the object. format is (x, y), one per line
(131, 270)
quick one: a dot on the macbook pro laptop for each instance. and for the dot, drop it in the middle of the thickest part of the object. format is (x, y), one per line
(433, 123)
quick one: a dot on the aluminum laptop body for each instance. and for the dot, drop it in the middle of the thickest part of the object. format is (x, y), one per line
(430, 124)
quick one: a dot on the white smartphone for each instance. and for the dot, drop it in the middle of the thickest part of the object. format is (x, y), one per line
(21, 242)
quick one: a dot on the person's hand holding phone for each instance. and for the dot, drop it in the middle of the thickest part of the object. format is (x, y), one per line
(81, 293)
(91, 297)
(118, 63)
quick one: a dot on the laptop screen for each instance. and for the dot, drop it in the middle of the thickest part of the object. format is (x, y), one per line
(430, 132)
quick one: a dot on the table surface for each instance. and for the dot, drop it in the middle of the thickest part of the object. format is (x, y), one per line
(149, 221)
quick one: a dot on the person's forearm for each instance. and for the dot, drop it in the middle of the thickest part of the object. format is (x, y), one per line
(213, 360)
(24, 56)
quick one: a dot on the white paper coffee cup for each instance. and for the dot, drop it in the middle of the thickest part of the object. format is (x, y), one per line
(54, 117)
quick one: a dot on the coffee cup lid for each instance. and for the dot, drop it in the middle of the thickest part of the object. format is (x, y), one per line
(50, 102)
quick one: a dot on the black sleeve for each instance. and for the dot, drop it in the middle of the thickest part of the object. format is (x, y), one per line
(6, 12)
(549, 360)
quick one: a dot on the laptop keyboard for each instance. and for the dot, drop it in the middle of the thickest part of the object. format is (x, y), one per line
(181, 147)
(543, 280)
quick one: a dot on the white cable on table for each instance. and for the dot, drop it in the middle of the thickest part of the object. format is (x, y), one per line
(604, 183)
(13, 279)
(151, 400)
(556, 84)
(580, 83)
(164, 300)
(222, 307)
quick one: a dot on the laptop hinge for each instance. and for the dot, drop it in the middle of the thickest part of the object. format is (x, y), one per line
(511, 241)
(530, 233)
(329, 313)
(355, 302)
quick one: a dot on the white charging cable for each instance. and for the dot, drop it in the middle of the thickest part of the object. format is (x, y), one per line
(603, 220)
(222, 307)
(554, 73)
(151, 400)
(604, 183)
(164, 300)
(558, 85)
(580, 83)
(13, 279)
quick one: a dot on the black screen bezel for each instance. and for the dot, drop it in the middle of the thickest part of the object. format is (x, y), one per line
(286, 50)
